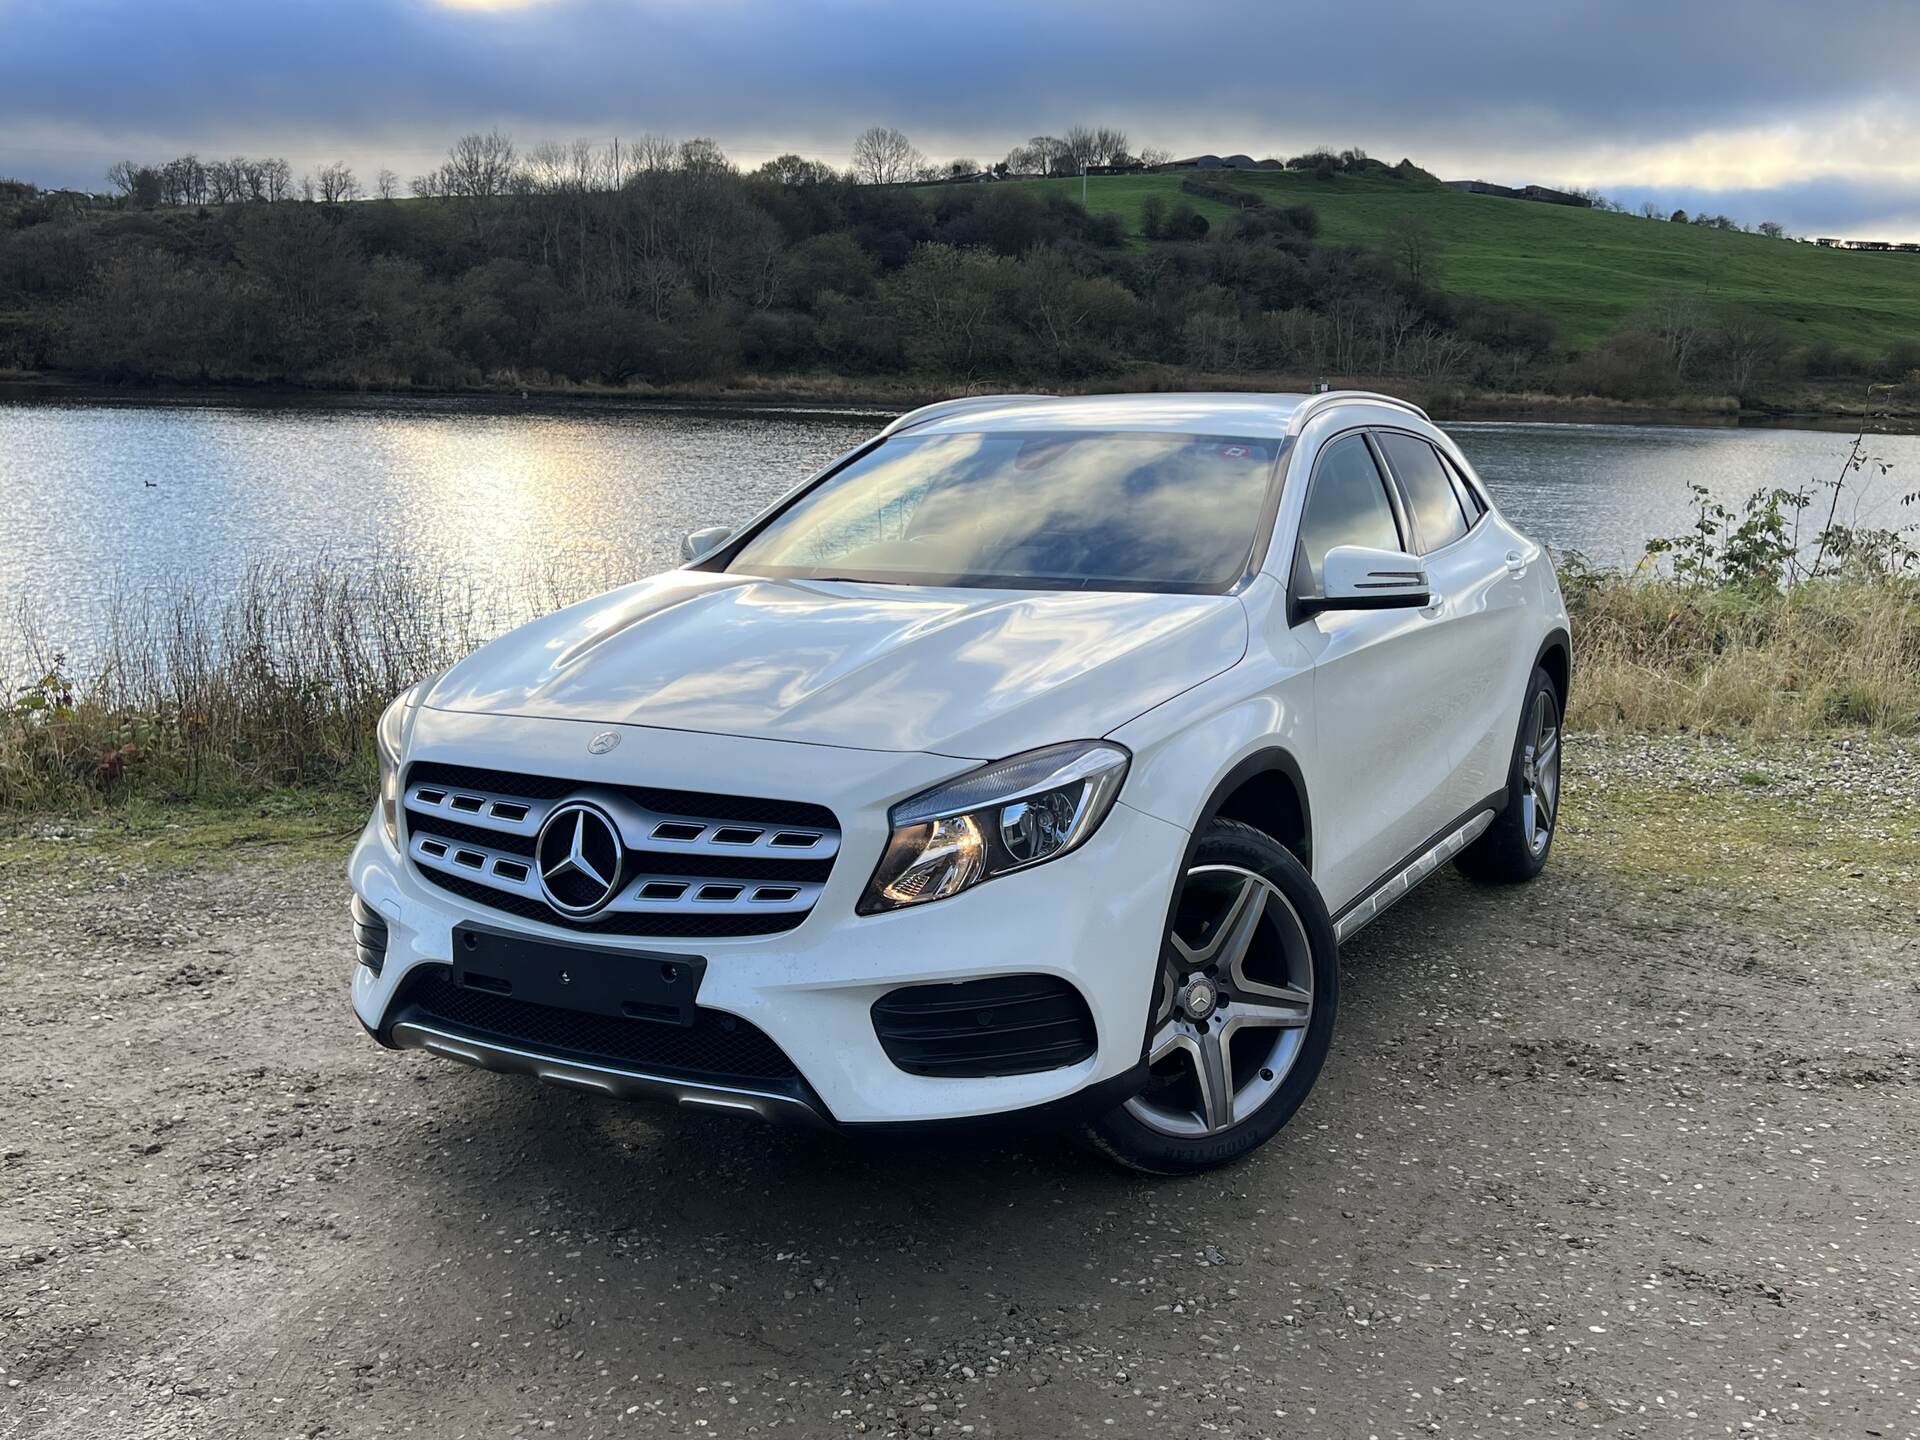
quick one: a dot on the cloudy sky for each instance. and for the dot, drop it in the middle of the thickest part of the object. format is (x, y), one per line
(1766, 109)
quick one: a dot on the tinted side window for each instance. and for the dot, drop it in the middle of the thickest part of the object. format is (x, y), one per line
(1437, 519)
(1470, 499)
(1346, 506)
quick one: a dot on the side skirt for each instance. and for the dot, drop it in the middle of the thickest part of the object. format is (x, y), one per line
(1370, 906)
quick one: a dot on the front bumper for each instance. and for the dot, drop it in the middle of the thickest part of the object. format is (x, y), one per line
(1094, 918)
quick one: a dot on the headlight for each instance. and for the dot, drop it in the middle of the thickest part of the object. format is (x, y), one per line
(1005, 816)
(389, 737)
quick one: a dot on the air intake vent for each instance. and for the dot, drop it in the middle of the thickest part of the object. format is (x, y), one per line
(1008, 1025)
(369, 935)
(691, 864)
(717, 1047)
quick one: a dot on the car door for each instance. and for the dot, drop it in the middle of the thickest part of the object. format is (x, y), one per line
(1474, 624)
(1382, 771)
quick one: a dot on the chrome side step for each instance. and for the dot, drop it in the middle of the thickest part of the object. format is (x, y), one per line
(620, 1084)
(1363, 912)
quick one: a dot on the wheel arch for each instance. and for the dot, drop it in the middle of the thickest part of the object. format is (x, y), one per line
(1555, 656)
(1254, 779)
(1267, 791)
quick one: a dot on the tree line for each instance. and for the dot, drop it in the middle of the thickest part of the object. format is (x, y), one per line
(661, 262)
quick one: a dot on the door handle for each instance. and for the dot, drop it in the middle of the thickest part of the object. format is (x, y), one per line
(1516, 563)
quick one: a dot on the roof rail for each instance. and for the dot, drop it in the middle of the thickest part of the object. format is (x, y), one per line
(1314, 404)
(942, 409)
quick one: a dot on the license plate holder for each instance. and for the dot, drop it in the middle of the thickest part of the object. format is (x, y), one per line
(629, 984)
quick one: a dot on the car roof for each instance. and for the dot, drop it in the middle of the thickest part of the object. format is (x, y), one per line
(1265, 416)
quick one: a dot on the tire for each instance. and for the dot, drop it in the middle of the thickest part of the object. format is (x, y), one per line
(1516, 845)
(1246, 994)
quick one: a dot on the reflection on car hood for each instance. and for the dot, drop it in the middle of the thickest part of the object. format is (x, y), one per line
(974, 673)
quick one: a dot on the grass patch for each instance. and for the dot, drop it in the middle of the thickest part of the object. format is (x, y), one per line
(1654, 656)
(1588, 270)
(1844, 856)
(293, 826)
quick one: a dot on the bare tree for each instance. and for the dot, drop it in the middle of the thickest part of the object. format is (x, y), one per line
(1024, 160)
(1675, 321)
(386, 184)
(478, 167)
(1772, 229)
(796, 170)
(1750, 346)
(1079, 144)
(654, 153)
(1050, 154)
(227, 180)
(1152, 155)
(1415, 249)
(701, 156)
(1651, 211)
(277, 178)
(884, 156)
(338, 184)
(1109, 146)
(123, 175)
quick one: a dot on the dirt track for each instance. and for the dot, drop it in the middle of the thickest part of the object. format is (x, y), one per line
(1594, 1155)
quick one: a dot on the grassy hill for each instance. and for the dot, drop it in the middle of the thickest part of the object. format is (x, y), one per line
(1587, 270)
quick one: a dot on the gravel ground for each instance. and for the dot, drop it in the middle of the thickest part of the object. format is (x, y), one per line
(1592, 1156)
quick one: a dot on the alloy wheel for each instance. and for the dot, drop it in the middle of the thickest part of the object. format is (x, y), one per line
(1540, 773)
(1235, 998)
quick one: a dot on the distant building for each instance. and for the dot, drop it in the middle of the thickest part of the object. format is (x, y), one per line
(1221, 162)
(1544, 194)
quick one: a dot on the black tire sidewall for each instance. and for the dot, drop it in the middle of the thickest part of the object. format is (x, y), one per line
(1504, 854)
(1139, 1146)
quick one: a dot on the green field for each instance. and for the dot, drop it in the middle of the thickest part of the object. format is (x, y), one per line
(1587, 270)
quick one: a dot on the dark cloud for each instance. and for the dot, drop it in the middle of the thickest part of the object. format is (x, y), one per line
(81, 79)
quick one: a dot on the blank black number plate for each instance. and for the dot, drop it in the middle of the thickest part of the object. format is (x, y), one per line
(631, 984)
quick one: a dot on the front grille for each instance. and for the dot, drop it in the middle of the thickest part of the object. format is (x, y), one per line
(1006, 1025)
(716, 1047)
(697, 864)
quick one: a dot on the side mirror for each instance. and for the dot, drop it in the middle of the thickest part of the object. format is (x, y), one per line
(702, 543)
(1357, 577)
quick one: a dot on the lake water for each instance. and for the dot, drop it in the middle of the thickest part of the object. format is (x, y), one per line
(102, 497)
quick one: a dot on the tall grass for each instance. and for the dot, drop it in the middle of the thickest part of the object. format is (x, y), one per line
(277, 680)
(274, 681)
(1656, 655)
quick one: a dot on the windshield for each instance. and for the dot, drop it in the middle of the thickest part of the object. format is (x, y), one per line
(1076, 509)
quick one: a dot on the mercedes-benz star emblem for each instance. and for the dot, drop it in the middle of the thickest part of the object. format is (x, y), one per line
(603, 742)
(580, 858)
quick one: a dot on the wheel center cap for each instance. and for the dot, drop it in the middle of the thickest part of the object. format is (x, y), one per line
(1198, 999)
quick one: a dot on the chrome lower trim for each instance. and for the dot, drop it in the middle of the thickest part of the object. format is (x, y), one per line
(602, 1080)
(1372, 906)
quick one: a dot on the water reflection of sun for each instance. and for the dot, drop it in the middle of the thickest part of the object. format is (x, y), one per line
(508, 487)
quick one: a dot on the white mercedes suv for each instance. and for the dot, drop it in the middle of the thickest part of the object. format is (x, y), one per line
(1030, 761)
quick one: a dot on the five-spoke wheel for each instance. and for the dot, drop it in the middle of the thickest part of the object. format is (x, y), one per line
(1540, 771)
(1242, 1008)
(1236, 995)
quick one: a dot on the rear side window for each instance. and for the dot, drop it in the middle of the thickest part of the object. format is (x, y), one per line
(1346, 505)
(1470, 500)
(1437, 517)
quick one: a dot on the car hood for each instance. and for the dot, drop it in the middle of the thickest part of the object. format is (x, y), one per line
(970, 673)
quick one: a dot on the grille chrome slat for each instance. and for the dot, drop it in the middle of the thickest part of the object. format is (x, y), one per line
(696, 864)
(792, 898)
(642, 831)
(503, 871)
